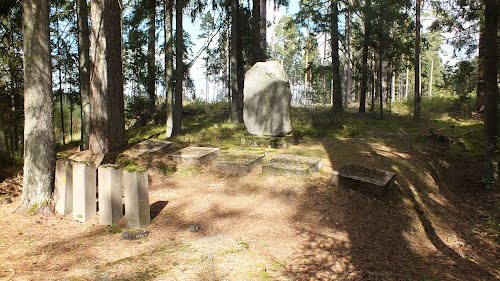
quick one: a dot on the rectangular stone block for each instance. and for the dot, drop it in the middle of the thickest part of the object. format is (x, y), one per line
(151, 146)
(136, 189)
(63, 190)
(369, 181)
(237, 164)
(290, 164)
(110, 194)
(84, 191)
(194, 155)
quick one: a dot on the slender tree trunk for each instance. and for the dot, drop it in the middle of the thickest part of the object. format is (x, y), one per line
(106, 78)
(347, 57)
(39, 143)
(407, 83)
(235, 85)
(179, 67)
(337, 84)
(480, 90)
(169, 66)
(431, 78)
(364, 75)
(261, 53)
(59, 70)
(84, 71)
(263, 28)
(380, 86)
(416, 112)
(491, 92)
(151, 81)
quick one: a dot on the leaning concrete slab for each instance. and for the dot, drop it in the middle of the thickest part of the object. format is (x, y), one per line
(84, 191)
(63, 190)
(110, 194)
(195, 155)
(290, 164)
(237, 163)
(136, 189)
(365, 180)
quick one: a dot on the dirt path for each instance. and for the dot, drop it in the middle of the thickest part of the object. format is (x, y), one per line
(435, 226)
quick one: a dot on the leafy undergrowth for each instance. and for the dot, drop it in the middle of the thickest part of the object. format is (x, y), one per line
(438, 223)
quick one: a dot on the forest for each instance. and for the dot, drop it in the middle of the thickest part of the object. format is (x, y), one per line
(409, 87)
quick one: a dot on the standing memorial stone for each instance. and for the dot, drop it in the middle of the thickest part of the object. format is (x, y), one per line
(110, 194)
(63, 191)
(135, 187)
(267, 99)
(84, 191)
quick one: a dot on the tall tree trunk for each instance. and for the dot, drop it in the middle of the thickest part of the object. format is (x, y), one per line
(169, 66)
(491, 92)
(261, 53)
(84, 71)
(431, 78)
(59, 70)
(347, 57)
(380, 88)
(416, 112)
(106, 78)
(480, 90)
(151, 83)
(263, 28)
(179, 67)
(407, 83)
(364, 75)
(235, 85)
(39, 143)
(334, 29)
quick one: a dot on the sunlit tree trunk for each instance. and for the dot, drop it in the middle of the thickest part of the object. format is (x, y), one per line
(106, 78)
(416, 112)
(179, 66)
(169, 66)
(236, 93)
(347, 57)
(39, 143)
(364, 75)
(151, 83)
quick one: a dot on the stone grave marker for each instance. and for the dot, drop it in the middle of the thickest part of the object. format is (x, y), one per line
(267, 98)
(370, 181)
(136, 189)
(292, 165)
(195, 155)
(110, 194)
(63, 190)
(237, 163)
(84, 191)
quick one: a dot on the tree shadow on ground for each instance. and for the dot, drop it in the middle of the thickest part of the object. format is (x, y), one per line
(350, 236)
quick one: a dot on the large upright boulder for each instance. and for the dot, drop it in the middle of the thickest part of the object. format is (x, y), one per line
(267, 99)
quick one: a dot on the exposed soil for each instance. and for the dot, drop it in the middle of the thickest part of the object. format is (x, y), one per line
(438, 223)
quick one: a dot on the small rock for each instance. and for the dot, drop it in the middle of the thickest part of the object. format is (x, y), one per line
(194, 228)
(134, 234)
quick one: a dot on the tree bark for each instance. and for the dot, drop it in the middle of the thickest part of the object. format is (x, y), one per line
(480, 91)
(151, 83)
(84, 71)
(169, 66)
(235, 84)
(59, 69)
(416, 112)
(334, 29)
(257, 21)
(490, 174)
(179, 67)
(431, 78)
(364, 75)
(106, 78)
(39, 143)
(347, 57)
(263, 28)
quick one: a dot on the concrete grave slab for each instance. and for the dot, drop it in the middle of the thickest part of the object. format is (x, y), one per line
(237, 163)
(366, 180)
(150, 146)
(84, 191)
(195, 155)
(136, 189)
(63, 190)
(110, 194)
(290, 164)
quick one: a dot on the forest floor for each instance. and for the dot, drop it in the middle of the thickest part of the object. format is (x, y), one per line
(438, 223)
